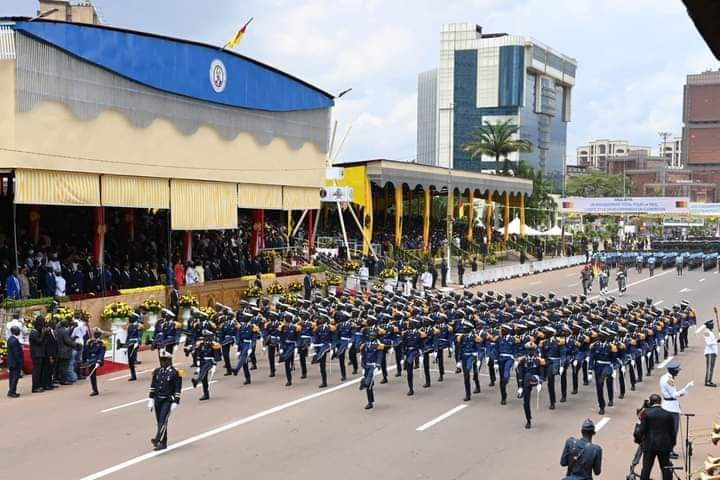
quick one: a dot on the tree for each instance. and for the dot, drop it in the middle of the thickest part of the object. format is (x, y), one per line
(596, 185)
(540, 204)
(496, 141)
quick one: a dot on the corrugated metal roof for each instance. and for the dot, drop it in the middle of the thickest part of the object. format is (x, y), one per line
(7, 42)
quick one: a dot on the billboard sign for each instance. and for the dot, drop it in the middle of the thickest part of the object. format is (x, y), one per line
(631, 205)
(705, 209)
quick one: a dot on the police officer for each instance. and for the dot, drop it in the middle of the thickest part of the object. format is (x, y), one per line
(671, 395)
(208, 354)
(530, 370)
(94, 357)
(165, 391)
(711, 351)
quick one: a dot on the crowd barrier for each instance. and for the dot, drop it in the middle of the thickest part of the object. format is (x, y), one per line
(504, 273)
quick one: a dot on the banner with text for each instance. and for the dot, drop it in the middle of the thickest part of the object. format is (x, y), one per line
(705, 209)
(637, 205)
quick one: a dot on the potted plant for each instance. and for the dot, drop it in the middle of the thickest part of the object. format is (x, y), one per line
(186, 303)
(252, 294)
(153, 308)
(117, 313)
(333, 281)
(351, 266)
(390, 276)
(318, 285)
(295, 287)
(275, 290)
(407, 273)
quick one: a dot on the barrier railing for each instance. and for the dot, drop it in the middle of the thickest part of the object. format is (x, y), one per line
(513, 271)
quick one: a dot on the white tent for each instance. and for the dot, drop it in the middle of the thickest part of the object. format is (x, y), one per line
(514, 229)
(555, 232)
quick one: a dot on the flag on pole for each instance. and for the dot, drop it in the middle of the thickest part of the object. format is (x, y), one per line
(237, 38)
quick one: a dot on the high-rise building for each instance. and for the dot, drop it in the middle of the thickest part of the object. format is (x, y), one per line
(701, 117)
(495, 77)
(671, 149)
(597, 153)
(427, 114)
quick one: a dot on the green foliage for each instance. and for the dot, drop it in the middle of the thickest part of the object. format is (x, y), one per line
(31, 302)
(596, 185)
(496, 141)
(538, 205)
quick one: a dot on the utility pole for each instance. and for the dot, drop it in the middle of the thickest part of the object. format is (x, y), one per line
(664, 136)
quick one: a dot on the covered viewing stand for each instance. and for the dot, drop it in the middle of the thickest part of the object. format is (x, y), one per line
(399, 190)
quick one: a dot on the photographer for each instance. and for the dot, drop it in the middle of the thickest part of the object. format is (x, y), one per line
(582, 457)
(656, 434)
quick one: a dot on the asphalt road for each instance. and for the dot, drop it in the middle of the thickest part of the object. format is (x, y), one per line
(266, 430)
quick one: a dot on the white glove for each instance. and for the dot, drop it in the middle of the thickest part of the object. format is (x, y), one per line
(478, 364)
(622, 369)
(173, 407)
(590, 375)
(264, 349)
(562, 370)
(539, 387)
(657, 349)
(458, 365)
(520, 391)
(151, 404)
(250, 352)
(632, 362)
(575, 363)
(614, 373)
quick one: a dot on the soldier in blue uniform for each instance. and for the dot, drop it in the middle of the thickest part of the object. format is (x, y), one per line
(427, 331)
(305, 341)
(246, 334)
(505, 352)
(132, 343)
(530, 369)
(94, 357)
(165, 390)
(271, 334)
(324, 333)
(208, 354)
(467, 342)
(444, 339)
(371, 349)
(289, 336)
(170, 334)
(602, 359)
(343, 340)
(226, 336)
(411, 340)
(554, 351)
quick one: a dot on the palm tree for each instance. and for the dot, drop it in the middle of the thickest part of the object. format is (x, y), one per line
(496, 141)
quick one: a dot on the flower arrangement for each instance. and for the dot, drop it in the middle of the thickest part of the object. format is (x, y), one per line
(388, 273)
(333, 279)
(209, 311)
(275, 289)
(351, 266)
(61, 313)
(291, 298)
(317, 283)
(152, 305)
(253, 292)
(295, 287)
(491, 259)
(188, 301)
(3, 351)
(408, 271)
(117, 310)
(268, 255)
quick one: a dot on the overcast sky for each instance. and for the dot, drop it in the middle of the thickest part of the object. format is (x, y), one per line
(633, 54)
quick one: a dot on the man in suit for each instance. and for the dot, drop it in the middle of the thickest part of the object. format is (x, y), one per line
(175, 300)
(307, 285)
(657, 431)
(37, 353)
(66, 345)
(14, 361)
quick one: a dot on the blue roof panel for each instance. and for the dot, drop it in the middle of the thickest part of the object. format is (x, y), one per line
(181, 67)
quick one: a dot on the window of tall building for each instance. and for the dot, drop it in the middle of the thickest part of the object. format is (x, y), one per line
(488, 77)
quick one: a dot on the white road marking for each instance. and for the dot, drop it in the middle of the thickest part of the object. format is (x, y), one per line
(665, 362)
(128, 375)
(658, 303)
(130, 404)
(700, 329)
(634, 283)
(701, 280)
(573, 285)
(439, 419)
(221, 429)
(685, 290)
(535, 283)
(599, 425)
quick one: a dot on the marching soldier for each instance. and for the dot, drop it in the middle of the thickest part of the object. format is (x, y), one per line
(165, 390)
(272, 339)
(208, 354)
(467, 344)
(323, 343)
(289, 335)
(245, 337)
(94, 357)
(602, 358)
(506, 348)
(411, 339)
(530, 369)
(226, 336)
(344, 332)
(132, 343)
(554, 352)
(371, 350)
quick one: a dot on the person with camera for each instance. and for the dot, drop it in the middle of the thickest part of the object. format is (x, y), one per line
(656, 435)
(582, 457)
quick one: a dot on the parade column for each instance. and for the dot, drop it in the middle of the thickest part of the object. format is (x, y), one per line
(99, 237)
(471, 215)
(506, 212)
(522, 215)
(426, 221)
(398, 215)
